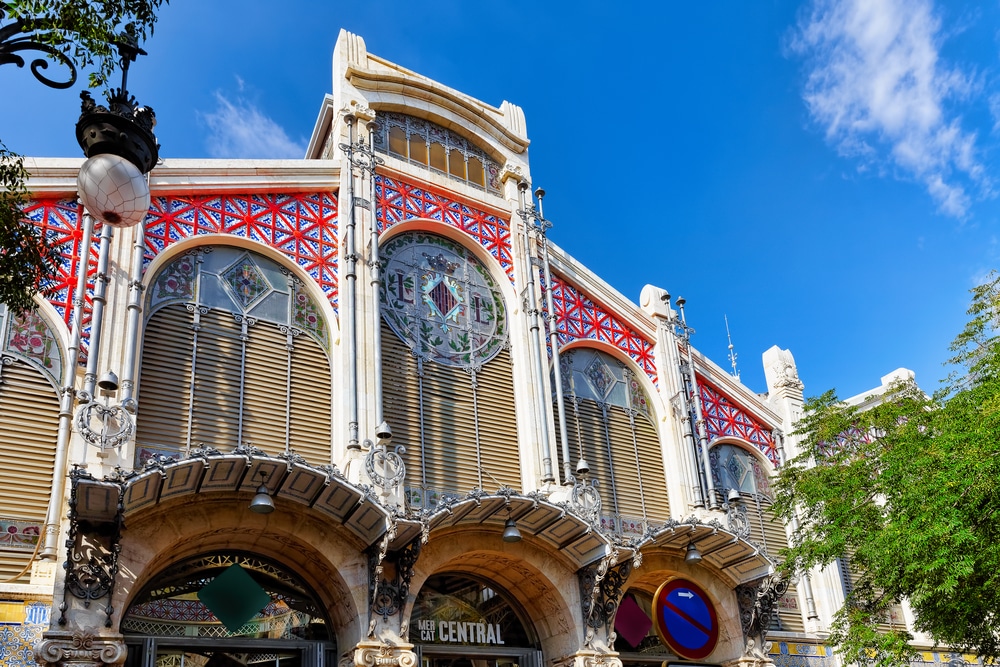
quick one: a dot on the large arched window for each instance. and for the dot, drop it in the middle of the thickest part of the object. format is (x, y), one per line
(235, 353)
(30, 374)
(447, 371)
(609, 424)
(734, 467)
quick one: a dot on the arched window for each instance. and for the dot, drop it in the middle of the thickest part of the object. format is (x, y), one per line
(219, 606)
(235, 353)
(449, 394)
(421, 142)
(454, 610)
(30, 374)
(736, 468)
(609, 424)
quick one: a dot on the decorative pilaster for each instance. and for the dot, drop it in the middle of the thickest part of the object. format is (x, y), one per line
(80, 649)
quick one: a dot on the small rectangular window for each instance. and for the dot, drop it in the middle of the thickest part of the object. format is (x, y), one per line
(397, 141)
(456, 164)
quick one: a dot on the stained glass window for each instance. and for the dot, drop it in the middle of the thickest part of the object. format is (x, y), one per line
(735, 468)
(442, 301)
(422, 142)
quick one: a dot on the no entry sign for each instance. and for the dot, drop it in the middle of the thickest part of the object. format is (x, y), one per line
(685, 619)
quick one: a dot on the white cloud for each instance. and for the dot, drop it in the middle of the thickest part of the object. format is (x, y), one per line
(878, 87)
(238, 129)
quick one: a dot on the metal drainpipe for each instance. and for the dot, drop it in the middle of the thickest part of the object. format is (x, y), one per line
(135, 289)
(694, 478)
(536, 354)
(375, 264)
(713, 501)
(54, 510)
(812, 615)
(97, 314)
(350, 298)
(554, 343)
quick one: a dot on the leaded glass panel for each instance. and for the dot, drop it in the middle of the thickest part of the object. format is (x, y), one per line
(735, 468)
(409, 138)
(442, 301)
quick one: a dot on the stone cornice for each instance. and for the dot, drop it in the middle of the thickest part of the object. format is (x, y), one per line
(57, 176)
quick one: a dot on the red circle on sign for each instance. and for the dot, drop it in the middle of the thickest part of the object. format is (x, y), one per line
(685, 619)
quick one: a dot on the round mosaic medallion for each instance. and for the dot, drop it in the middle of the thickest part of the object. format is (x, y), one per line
(441, 300)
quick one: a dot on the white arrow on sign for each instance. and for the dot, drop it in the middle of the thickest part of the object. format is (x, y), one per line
(686, 594)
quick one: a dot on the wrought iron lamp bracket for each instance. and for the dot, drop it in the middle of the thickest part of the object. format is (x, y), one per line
(92, 551)
(24, 35)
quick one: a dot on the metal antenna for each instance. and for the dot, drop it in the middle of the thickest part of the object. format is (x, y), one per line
(732, 353)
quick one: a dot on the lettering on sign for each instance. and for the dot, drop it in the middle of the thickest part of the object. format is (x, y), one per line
(459, 632)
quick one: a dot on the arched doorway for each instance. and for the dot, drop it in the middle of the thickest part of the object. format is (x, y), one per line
(464, 621)
(225, 609)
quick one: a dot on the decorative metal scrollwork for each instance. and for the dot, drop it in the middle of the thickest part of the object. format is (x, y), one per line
(104, 426)
(586, 501)
(758, 604)
(389, 596)
(23, 35)
(385, 467)
(601, 588)
(92, 551)
(737, 521)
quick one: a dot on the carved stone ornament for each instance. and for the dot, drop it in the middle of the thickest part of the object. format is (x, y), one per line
(588, 659)
(383, 655)
(64, 649)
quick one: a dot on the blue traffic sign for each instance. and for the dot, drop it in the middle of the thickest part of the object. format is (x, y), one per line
(685, 619)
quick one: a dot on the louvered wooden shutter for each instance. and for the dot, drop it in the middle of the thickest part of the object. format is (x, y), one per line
(165, 380)
(312, 388)
(498, 424)
(169, 352)
(29, 422)
(215, 421)
(449, 454)
(894, 619)
(265, 397)
(769, 532)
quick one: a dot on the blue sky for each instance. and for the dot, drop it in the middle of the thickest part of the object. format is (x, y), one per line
(824, 173)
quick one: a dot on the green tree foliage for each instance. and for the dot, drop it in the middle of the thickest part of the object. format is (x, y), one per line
(85, 31)
(908, 486)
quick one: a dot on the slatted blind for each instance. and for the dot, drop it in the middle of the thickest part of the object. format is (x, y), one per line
(221, 367)
(769, 532)
(29, 421)
(450, 420)
(894, 619)
(585, 425)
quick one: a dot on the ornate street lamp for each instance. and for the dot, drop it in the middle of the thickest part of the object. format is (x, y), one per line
(120, 147)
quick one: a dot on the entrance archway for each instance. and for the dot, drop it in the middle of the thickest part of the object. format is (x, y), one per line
(464, 621)
(224, 609)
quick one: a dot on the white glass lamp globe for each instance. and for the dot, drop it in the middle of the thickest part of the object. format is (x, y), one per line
(113, 190)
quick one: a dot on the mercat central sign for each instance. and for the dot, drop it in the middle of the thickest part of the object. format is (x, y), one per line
(459, 632)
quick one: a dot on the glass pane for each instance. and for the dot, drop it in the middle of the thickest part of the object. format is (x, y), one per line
(456, 162)
(418, 148)
(439, 159)
(476, 173)
(397, 141)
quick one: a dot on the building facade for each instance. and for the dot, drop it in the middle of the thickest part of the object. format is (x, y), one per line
(365, 412)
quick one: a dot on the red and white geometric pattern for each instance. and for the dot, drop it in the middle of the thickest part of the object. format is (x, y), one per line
(397, 201)
(301, 226)
(578, 318)
(60, 221)
(723, 418)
